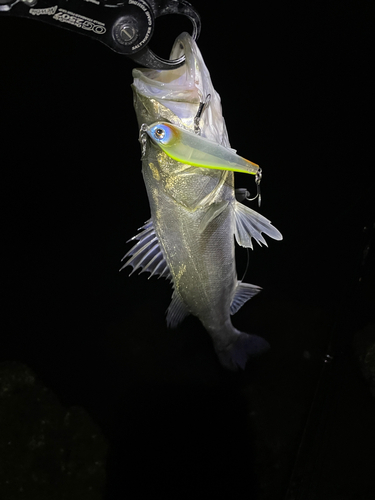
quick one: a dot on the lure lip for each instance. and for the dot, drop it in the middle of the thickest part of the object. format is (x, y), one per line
(167, 139)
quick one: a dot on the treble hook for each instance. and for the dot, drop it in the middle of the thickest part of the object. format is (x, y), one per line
(258, 178)
(202, 107)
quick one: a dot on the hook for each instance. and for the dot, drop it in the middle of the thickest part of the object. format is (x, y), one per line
(202, 106)
(258, 178)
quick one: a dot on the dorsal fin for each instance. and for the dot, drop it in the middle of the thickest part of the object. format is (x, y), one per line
(146, 254)
(250, 224)
(243, 293)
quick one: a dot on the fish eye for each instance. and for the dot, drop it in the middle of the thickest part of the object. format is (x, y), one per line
(159, 133)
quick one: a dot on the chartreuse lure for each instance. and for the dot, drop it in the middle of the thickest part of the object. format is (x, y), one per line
(192, 149)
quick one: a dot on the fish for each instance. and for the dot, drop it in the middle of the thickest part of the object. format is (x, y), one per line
(195, 216)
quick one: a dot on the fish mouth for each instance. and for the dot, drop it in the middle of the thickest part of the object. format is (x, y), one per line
(182, 90)
(177, 83)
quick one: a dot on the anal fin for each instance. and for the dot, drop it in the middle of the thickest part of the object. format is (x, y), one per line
(244, 292)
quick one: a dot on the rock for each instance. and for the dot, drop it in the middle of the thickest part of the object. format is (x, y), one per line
(47, 451)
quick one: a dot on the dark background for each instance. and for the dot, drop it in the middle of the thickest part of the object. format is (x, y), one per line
(297, 92)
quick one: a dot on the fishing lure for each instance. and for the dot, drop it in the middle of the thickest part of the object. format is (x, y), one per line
(192, 149)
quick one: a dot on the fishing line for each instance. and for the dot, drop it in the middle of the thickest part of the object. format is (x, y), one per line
(247, 264)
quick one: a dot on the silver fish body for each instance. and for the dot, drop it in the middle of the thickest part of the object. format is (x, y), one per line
(194, 213)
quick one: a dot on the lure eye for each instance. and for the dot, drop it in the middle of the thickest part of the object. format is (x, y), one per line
(159, 133)
(162, 133)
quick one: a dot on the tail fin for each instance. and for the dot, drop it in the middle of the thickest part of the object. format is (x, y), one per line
(244, 346)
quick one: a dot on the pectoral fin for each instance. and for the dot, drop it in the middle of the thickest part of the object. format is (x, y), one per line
(250, 224)
(214, 211)
(146, 253)
(244, 292)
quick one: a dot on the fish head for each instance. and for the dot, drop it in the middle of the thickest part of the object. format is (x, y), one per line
(175, 95)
